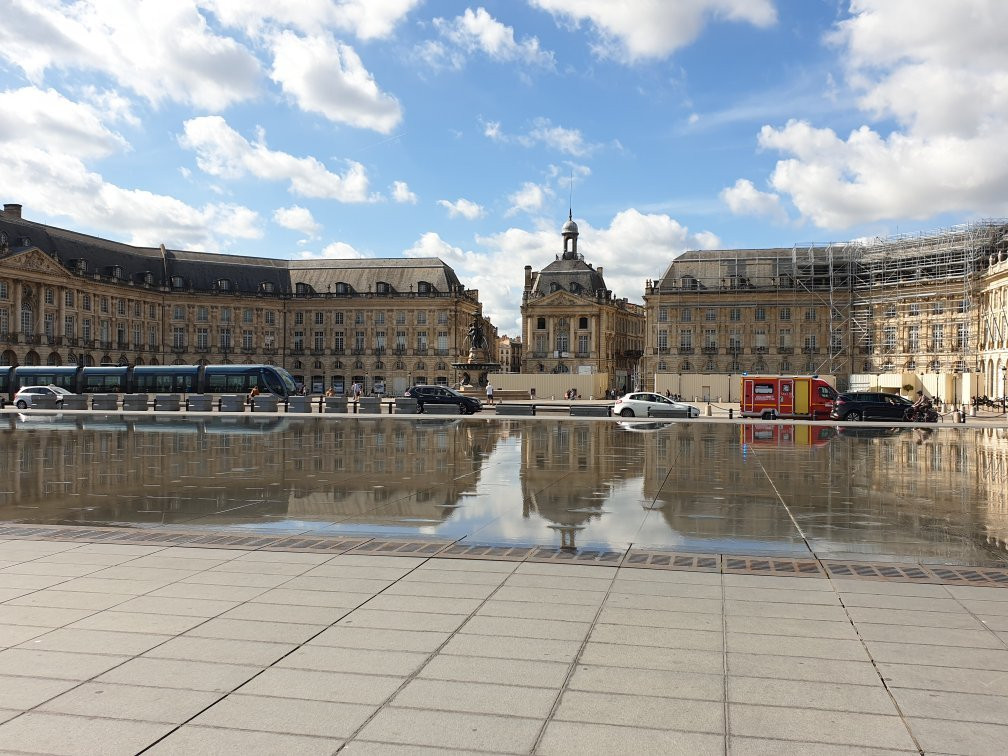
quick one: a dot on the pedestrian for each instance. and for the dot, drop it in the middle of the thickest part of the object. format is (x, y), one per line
(489, 392)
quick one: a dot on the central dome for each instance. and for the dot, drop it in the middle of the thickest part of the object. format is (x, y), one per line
(570, 227)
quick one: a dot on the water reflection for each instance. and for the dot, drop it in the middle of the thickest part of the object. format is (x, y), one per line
(887, 493)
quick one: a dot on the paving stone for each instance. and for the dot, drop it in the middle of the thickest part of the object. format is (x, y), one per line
(578, 738)
(365, 748)
(132, 572)
(337, 584)
(525, 628)
(512, 648)
(655, 588)
(845, 586)
(587, 582)
(184, 606)
(250, 579)
(945, 736)
(477, 698)
(781, 610)
(501, 671)
(821, 648)
(332, 599)
(163, 560)
(90, 558)
(175, 673)
(471, 732)
(224, 650)
(918, 676)
(323, 686)
(740, 746)
(912, 603)
(40, 616)
(360, 661)
(346, 636)
(938, 636)
(216, 741)
(14, 635)
(703, 640)
(775, 582)
(292, 716)
(354, 572)
(811, 725)
(123, 587)
(867, 699)
(664, 603)
(55, 664)
(79, 641)
(801, 628)
(269, 632)
(525, 610)
(288, 569)
(149, 704)
(27, 692)
(960, 707)
(912, 618)
(298, 615)
(38, 732)
(6, 594)
(996, 608)
(549, 595)
(649, 657)
(69, 600)
(372, 560)
(469, 565)
(283, 557)
(648, 682)
(802, 668)
(424, 604)
(212, 592)
(62, 569)
(392, 620)
(682, 577)
(654, 618)
(475, 577)
(132, 622)
(939, 656)
(641, 711)
(441, 590)
(778, 596)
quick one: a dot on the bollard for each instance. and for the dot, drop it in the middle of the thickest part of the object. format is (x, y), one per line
(957, 416)
(731, 413)
(973, 410)
(708, 409)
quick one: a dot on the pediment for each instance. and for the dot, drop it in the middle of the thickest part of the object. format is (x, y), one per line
(561, 298)
(34, 261)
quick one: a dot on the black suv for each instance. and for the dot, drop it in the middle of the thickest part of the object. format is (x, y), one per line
(443, 395)
(866, 405)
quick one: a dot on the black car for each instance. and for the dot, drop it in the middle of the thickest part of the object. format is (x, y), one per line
(868, 405)
(443, 395)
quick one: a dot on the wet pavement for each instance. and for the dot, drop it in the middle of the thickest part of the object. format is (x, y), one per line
(858, 492)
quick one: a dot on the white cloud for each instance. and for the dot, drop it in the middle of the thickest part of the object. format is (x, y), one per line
(466, 208)
(479, 31)
(401, 193)
(543, 132)
(297, 218)
(221, 151)
(31, 117)
(655, 28)
(529, 199)
(365, 19)
(336, 251)
(325, 76)
(61, 184)
(745, 199)
(158, 50)
(940, 70)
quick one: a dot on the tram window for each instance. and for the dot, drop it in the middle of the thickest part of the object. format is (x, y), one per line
(100, 384)
(271, 382)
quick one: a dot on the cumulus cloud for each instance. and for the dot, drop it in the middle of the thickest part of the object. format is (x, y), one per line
(401, 193)
(30, 117)
(157, 50)
(365, 19)
(529, 199)
(656, 28)
(223, 152)
(478, 31)
(326, 76)
(745, 199)
(462, 207)
(940, 71)
(297, 218)
(336, 251)
(543, 132)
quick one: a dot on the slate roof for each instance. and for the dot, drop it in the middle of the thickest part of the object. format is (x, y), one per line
(565, 272)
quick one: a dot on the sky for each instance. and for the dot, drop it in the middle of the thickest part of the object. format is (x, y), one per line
(416, 128)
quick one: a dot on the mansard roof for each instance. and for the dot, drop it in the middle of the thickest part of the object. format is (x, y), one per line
(561, 273)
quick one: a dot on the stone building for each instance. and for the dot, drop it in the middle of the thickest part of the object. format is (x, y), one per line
(571, 323)
(509, 354)
(910, 310)
(68, 298)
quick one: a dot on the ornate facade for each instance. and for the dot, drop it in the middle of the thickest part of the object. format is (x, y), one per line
(67, 298)
(933, 303)
(572, 323)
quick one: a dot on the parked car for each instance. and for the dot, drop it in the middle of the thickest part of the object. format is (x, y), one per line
(25, 397)
(443, 395)
(638, 403)
(869, 405)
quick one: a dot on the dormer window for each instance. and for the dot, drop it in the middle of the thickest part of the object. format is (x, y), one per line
(224, 284)
(383, 288)
(266, 287)
(342, 288)
(303, 289)
(424, 288)
(575, 287)
(177, 282)
(148, 278)
(117, 272)
(689, 282)
(554, 287)
(81, 266)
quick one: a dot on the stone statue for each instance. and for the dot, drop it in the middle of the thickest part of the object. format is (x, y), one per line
(475, 333)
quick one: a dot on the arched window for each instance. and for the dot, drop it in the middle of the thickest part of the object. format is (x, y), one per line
(27, 319)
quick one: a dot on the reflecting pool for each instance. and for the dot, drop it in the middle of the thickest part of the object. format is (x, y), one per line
(867, 492)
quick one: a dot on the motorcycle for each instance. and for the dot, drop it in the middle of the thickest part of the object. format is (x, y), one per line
(925, 414)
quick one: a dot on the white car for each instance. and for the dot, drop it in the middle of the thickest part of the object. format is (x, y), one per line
(638, 403)
(26, 395)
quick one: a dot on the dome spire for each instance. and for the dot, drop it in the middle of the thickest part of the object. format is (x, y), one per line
(570, 235)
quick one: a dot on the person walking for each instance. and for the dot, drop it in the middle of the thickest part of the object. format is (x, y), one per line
(489, 392)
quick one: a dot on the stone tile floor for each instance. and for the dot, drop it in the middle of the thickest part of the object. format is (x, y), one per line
(166, 650)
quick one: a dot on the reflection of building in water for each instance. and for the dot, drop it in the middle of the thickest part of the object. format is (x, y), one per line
(569, 469)
(239, 472)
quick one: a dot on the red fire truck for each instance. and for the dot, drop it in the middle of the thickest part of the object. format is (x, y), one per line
(807, 397)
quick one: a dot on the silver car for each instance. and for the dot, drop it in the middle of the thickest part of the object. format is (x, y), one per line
(638, 403)
(27, 395)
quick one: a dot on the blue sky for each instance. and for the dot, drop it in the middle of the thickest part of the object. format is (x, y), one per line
(349, 128)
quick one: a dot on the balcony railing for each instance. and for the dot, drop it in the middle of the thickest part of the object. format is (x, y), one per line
(686, 350)
(810, 350)
(785, 350)
(760, 350)
(710, 349)
(421, 350)
(178, 348)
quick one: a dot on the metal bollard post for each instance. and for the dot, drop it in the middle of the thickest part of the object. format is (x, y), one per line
(708, 409)
(731, 413)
